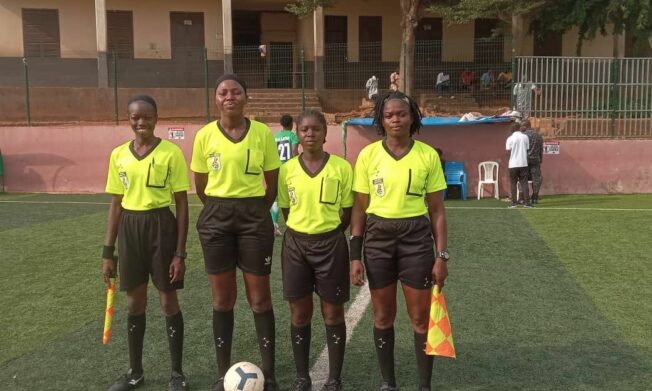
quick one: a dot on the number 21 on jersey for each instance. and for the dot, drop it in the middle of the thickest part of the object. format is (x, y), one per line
(284, 150)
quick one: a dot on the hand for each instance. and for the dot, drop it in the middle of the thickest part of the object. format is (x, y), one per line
(439, 272)
(357, 272)
(108, 269)
(177, 269)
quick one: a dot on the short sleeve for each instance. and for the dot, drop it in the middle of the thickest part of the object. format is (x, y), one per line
(113, 183)
(347, 186)
(198, 161)
(508, 144)
(179, 180)
(294, 139)
(360, 177)
(272, 160)
(436, 180)
(283, 198)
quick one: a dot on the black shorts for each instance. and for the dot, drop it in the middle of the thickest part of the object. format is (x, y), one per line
(399, 249)
(316, 263)
(236, 232)
(146, 244)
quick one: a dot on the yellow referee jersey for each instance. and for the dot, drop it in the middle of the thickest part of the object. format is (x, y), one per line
(234, 167)
(147, 182)
(315, 199)
(397, 187)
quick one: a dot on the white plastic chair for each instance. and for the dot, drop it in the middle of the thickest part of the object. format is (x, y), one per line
(488, 177)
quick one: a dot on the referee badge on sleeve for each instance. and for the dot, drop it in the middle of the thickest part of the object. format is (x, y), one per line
(124, 179)
(293, 196)
(379, 186)
(215, 160)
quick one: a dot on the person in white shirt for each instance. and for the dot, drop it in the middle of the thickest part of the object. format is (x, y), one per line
(517, 146)
(443, 80)
(372, 87)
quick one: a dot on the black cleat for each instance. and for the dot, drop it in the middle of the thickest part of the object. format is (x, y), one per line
(270, 384)
(333, 385)
(302, 384)
(177, 383)
(219, 385)
(387, 387)
(128, 381)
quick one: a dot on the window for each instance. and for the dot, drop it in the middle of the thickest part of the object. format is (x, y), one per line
(41, 33)
(120, 33)
(488, 48)
(370, 29)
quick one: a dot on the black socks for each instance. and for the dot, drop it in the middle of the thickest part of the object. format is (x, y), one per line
(223, 337)
(174, 331)
(135, 337)
(384, 342)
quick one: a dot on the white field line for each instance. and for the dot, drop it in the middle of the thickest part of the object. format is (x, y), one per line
(319, 371)
(448, 207)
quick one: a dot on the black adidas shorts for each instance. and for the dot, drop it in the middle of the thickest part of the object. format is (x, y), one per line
(399, 249)
(236, 232)
(146, 244)
(316, 263)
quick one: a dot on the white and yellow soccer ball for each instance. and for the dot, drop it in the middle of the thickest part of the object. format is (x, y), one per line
(244, 376)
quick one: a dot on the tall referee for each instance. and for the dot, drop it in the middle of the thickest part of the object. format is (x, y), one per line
(313, 189)
(393, 177)
(230, 159)
(143, 174)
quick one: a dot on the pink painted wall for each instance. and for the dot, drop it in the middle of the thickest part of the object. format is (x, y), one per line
(75, 158)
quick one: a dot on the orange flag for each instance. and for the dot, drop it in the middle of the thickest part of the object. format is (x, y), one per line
(440, 338)
(108, 316)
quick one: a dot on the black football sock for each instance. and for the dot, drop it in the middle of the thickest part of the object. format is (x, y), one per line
(266, 331)
(174, 330)
(336, 340)
(301, 349)
(384, 342)
(424, 361)
(222, 337)
(135, 337)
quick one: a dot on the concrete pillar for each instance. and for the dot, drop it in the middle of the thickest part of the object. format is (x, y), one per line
(518, 35)
(318, 23)
(227, 35)
(100, 34)
(619, 45)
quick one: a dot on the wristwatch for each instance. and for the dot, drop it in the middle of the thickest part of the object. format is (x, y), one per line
(181, 254)
(443, 255)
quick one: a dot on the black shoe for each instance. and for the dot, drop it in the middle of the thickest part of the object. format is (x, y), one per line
(128, 381)
(177, 383)
(302, 384)
(387, 387)
(333, 385)
(270, 384)
(219, 385)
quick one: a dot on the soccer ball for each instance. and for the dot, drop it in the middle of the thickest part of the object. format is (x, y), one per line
(244, 376)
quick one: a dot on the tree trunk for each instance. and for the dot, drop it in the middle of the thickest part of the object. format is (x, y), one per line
(409, 21)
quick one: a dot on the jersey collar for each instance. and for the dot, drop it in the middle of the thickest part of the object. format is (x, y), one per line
(320, 169)
(139, 157)
(235, 141)
(395, 157)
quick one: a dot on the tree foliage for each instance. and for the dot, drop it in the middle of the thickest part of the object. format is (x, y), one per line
(302, 8)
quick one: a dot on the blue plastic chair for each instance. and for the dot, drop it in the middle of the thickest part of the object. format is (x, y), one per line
(455, 176)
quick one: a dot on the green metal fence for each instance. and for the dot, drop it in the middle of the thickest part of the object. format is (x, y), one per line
(585, 97)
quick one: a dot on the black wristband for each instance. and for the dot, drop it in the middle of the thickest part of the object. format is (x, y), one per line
(107, 252)
(355, 248)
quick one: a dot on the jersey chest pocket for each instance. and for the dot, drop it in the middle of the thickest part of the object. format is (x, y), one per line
(254, 162)
(416, 182)
(329, 191)
(157, 175)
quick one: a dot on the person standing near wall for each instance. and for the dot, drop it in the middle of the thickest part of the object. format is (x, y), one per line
(534, 158)
(517, 146)
(399, 218)
(287, 145)
(230, 158)
(143, 174)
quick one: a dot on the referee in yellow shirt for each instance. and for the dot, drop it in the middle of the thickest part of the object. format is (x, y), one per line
(143, 175)
(314, 188)
(393, 178)
(230, 159)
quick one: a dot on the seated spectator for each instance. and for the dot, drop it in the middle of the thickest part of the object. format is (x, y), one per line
(443, 83)
(487, 79)
(505, 79)
(468, 79)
